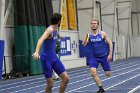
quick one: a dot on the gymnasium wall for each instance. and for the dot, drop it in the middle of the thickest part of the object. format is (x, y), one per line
(0, 11)
(69, 53)
(135, 46)
(7, 35)
(9, 41)
(85, 14)
(135, 17)
(115, 21)
(56, 6)
(126, 37)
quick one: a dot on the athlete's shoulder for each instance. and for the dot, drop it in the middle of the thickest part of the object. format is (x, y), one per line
(103, 34)
(102, 31)
(49, 29)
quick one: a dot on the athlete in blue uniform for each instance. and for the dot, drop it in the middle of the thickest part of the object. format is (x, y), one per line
(48, 57)
(97, 40)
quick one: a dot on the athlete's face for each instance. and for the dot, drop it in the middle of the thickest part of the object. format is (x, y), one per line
(59, 23)
(94, 25)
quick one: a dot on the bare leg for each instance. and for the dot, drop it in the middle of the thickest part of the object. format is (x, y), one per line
(108, 73)
(65, 79)
(95, 76)
(49, 85)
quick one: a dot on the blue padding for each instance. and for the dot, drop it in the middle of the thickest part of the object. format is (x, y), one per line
(1, 57)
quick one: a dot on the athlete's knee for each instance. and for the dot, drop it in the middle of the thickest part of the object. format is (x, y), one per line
(65, 80)
(108, 73)
(93, 72)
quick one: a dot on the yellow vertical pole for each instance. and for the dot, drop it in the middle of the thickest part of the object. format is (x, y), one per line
(63, 25)
(71, 14)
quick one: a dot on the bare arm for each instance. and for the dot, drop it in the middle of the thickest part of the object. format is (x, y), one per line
(110, 45)
(40, 42)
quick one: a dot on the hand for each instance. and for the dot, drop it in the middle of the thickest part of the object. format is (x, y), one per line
(36, 56)
(109, 58)
(84, 43)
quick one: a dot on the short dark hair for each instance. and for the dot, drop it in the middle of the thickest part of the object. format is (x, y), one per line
(55, 18)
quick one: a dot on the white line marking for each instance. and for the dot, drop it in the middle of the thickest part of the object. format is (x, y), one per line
(102, 80)
(94, 83)
(122, 82)
(134, 89)
(45, 80)
(56, 87)
(43, 75)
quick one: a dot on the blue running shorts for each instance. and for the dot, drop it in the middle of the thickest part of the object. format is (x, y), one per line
(94, 62)
(50, 63)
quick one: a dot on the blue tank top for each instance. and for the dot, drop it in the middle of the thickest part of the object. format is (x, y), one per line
(97, 45)
(49, 45)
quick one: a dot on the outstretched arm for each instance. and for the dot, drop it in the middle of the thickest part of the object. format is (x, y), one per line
(40, 42)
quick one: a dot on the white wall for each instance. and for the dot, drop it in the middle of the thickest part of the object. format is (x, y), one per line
(136, 17)
(56, 6)
(121, 47)
(73, 37)
(9, 40)
(135, 46)
(73, 60)
(85, 15)
(126, 44)
(135, 28)
(116, 22)
(84, 23)
(7, 34)
(0, 11)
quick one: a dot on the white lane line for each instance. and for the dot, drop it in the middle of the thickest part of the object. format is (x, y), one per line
(42, 77)
(21, 82)
(122, 82)
(122, 64)
(77, 70)
(102, 80)
(91, 77)
(88, 90)
(134, 89)
(55, 82)
(43, 80)
(72, 82)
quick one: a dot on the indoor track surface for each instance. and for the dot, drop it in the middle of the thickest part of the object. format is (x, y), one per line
(125, 77)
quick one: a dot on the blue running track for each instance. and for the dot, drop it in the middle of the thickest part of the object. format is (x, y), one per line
(125, 77)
